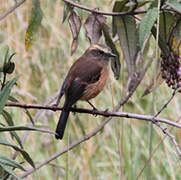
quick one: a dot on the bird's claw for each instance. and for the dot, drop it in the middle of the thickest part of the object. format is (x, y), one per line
(74, 106)
(94, 111)
(54, 106)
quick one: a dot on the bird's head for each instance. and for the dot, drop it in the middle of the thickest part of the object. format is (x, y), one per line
(99, 51)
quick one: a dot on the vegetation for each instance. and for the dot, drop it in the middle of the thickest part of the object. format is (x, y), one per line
(36, 51)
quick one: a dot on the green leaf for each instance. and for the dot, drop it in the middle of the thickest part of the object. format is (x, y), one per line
(115, 62)
(164, 48)
(10, 171)
(9, 60)
(167, 21)
(142, 3)
(4, 94)
(8, 66)
(66, 11)
(34, 24)
(175, 5)
(11, 68)
(22, 151)
(146, 25)
(6, 56)
(9, 162)
(175, 37)
(29, 115)
(125, 27)
(13, 99)
(10, 122)
(24, 128)
(8, 118)
(119, 6)
(127, 32)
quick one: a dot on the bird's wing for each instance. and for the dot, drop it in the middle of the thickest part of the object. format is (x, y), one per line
(87, 70)
(88, 73)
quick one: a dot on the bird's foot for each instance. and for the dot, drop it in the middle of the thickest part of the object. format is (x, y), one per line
(54, 106)
(94, 111)
(74, 106)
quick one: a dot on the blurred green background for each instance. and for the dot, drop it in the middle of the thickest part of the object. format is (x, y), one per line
(121, 149)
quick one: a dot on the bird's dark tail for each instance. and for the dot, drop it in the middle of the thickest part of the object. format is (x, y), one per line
(62, 123)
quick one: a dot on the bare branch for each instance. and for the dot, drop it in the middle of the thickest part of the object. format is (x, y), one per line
(154, 151)
(9, 11)
(66, 149)
(93, 10)
(83, 139)
(96, 112)
(166, 104)
(165, 130)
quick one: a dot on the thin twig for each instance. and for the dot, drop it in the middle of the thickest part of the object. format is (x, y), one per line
(166, 104)
(154, 151)
(165, 130)
(93, 10)
(10, 10)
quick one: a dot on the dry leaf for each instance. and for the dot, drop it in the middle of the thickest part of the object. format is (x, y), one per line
(75, 25)
(93, 26)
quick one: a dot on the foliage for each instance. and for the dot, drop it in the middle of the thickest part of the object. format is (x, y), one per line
(120, 150)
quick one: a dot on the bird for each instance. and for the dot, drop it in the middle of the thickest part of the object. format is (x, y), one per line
(84, 81)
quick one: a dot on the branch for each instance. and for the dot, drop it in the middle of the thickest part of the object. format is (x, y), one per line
(93, 10)
(96, 112)
(9, 11)
(165, 130)
(83, 139)
(66, 149)
(154, 151)
(102, 12)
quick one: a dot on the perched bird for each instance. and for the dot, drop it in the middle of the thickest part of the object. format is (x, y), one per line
(85, 80)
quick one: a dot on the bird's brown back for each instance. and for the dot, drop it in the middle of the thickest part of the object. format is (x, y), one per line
(86, 79)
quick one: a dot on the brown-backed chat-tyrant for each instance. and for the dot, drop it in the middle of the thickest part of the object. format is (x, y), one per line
(85, 80)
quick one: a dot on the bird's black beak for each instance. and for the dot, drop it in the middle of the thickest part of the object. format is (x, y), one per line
(112, 55)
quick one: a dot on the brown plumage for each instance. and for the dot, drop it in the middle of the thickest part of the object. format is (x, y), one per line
(85, 80)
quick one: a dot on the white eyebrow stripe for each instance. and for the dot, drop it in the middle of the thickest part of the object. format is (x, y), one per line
(99, 47)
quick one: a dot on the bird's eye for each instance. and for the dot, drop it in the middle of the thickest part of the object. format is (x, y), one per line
(100, 52)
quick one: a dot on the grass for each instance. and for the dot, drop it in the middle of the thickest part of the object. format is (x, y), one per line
(121, 149)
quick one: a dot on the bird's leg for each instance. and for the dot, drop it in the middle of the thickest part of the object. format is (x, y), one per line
(94, 108)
